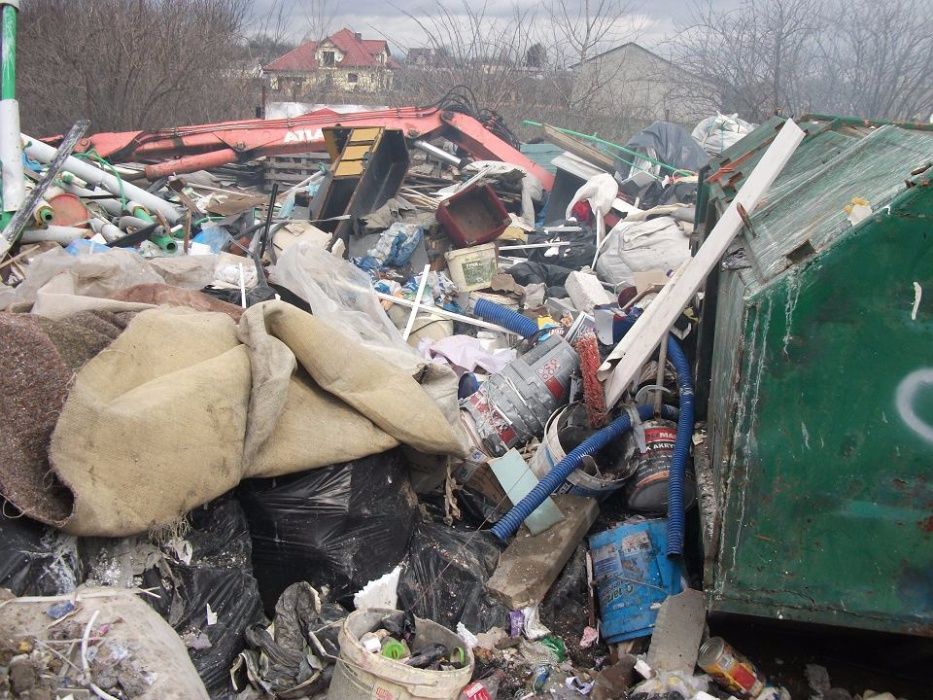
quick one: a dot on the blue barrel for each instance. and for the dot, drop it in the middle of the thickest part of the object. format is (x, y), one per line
(632, 574)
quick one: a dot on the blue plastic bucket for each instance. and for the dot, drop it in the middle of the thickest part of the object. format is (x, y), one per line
(632, 575)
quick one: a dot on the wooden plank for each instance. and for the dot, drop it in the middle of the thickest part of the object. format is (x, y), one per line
(643, 339)
(580, 149)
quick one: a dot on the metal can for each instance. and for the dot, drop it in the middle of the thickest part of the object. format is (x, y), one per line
(729, 668)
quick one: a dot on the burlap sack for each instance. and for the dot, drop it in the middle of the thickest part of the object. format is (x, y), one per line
(177, 410)
(129, 636)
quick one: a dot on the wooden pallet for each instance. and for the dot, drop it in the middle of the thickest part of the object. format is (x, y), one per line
(290, 170)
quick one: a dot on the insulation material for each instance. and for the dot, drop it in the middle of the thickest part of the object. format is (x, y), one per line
(662, 243)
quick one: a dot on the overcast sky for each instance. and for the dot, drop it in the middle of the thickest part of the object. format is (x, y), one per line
(653, 20)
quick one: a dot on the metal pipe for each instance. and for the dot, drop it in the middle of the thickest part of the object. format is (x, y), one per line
(440, 154)
(42, 152)
(11, 147)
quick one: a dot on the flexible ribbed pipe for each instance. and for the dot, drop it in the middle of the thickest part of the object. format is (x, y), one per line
(502, 316)
(512, 520)
(676, 512)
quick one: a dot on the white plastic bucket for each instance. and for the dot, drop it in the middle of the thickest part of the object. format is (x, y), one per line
(360, 674)
(579, 483)
(473, 268)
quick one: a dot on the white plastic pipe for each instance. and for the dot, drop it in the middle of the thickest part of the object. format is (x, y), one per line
(56, 234)
(106, 229)
(11, 156)
(93, 175)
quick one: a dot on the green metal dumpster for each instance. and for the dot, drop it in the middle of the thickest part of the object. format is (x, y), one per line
(816, 355)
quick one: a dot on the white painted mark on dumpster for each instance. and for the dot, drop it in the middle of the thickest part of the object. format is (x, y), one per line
(913, 384)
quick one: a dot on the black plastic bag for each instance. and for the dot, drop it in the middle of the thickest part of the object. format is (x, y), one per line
(216, 571)
(338, 526)
(35, 560)
(444, 578)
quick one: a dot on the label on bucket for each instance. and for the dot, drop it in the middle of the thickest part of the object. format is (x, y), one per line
(478, 271)
(548, 372)
(491, 420)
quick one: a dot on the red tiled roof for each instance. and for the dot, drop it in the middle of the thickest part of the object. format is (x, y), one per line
(356, 53)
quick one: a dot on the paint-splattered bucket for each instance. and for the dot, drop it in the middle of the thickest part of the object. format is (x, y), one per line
(513, 406)
(646, 491)
(579, 483)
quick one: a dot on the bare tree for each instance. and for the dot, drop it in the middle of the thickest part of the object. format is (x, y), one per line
(876, 60)
(855, 57)
(583, 32)
(320, 16)
(131, 64)
(271, 34)
(751, 59)
(472, 47)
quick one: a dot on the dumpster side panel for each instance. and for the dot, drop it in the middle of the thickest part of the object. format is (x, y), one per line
(828, 504)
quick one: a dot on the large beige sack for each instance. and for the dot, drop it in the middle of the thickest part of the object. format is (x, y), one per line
(129, 644)
(185, 404)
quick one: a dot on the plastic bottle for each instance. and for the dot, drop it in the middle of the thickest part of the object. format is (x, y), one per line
(427, 655)
(484, 689)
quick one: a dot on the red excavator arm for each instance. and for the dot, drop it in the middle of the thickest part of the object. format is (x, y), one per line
(190, 148)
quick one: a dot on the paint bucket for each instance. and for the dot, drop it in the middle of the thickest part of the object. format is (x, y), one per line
(579, 483)
(729, 668)
(513, 405)
(646, 491)
(632, 576)
(360, 674)
(473, 268)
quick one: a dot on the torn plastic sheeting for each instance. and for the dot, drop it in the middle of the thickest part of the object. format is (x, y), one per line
(341, 295)
(665, 142)
(293, 657)
(208, 568)
(35, 560)
(340, 526)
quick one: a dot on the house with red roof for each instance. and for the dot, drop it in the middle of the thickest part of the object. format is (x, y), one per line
(343, 62)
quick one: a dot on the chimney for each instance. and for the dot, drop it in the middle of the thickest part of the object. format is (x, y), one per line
(359, 37)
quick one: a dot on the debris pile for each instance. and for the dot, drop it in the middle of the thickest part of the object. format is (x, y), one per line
(423, 424)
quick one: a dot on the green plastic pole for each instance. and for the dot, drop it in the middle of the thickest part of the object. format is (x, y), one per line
(11, 152)
(8, 62)
(610, 144)
(165, 242)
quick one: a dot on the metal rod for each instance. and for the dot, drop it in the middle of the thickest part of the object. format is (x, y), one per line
(417, 304)
(439, 154)
(24, 213)
(444, 313)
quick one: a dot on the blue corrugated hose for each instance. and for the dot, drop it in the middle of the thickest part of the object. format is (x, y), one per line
(505, 317)
(676, 515)
(594, 443)
(676, 512)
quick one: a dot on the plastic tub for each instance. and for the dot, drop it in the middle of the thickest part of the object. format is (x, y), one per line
(579, 483)
(473, 268)
(632, 577)
(473, 216)
(359, 674)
